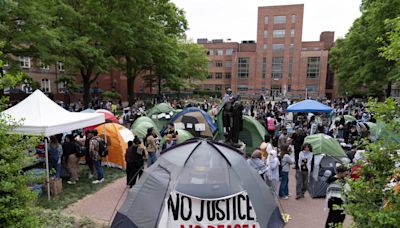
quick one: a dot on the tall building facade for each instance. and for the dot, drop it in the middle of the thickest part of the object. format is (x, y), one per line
(279, 64)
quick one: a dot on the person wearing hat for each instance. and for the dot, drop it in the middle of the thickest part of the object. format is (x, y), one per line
(258, 164)
(228, 95)
(169, 142)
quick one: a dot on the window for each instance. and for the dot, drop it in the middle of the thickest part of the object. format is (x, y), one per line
(229, 51)
(279, 19)
(290, 67)
(313, 67)
(265, 33)
(266, 20)
(292, 33)
(45, 86)
(278, 33)
(25, 62)
(243, 88)
(265, 46)
(60, 66)
(293, 18)
(277, 63)
(61, 87)
(209, 76)
(218, 75)
(289, 88)
(211, 52)
(311, 88)
(210, 64)
(291, 47)
(264, 67)
(228, 75)
(243, 67)
(218, 64)
(220, 52)
(228, 64)
(278, 47)
(43, 66)
(218, 87)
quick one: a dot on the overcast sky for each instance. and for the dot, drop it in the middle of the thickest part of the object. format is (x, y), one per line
(237, 19)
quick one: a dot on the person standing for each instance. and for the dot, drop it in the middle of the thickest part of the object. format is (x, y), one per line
(286, 161)
(134, 157)
(55, 153)
(282, 137)
(94, 148)
(298, 139)
(71, 149)
(270, 125)
(266, 147)
(273, 169)
(334, 197)
(169, 142)
(151, 146)
(88, 158)
(258, 164)
(171, 131)
(305, 164)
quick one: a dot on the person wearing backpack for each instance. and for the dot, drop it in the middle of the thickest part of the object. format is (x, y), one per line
(134, 157)
(94, 151)
(270, 125)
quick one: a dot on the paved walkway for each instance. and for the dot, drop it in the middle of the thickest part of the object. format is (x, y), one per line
(304, 213)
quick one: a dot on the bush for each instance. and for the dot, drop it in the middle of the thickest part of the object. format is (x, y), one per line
(367, 202)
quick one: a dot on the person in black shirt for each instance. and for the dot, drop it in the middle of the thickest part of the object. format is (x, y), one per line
(134, 157)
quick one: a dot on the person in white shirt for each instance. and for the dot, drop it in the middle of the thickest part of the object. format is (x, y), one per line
(304, 169)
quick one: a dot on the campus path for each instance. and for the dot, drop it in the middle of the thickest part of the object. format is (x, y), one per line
(304, 213)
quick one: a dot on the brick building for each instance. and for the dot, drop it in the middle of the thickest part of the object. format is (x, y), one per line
(279, 64)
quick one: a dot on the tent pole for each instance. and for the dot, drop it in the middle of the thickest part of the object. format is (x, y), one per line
(47, 169)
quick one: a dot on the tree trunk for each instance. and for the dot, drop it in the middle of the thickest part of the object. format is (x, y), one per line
(130, 80)
(86, 90)
(159, 85)
(389, 89)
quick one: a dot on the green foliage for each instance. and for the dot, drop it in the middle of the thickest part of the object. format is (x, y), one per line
(360, 68)
(17, 201)
(391, 48)
(108, 95)
(56, 219)
(69, 81)
(367, 202)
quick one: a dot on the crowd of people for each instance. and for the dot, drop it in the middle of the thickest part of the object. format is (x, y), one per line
(284, 147)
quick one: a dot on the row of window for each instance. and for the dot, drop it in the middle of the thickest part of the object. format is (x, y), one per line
(26, 63)
(278, 33)
(278, 47)
(218, 75)
(227, 64)
(275, 90)
(220, 52)
(45, 86)
(313, 68)
(280, 19)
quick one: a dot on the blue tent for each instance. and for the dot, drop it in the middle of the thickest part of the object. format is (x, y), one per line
(189, 118)
(309, 106)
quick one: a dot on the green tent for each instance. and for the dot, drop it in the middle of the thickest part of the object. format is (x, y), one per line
(324, 144)
(183, 135)
(347, 118)
(165, 108)
(144, 119)
(252, 134)
(140, 128)
(373, 130)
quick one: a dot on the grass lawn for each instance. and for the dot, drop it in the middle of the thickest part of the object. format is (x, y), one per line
(84, 187)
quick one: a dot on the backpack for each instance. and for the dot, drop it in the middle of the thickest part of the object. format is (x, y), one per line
(103, 149)
(81, 150)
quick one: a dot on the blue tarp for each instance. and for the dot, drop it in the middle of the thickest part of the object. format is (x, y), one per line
(206, 116)
(309, 106)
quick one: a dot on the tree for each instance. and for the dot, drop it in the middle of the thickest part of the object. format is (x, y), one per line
(17, 201)
(391, 48)
(371, 201)
(359, 66)
(85, 48)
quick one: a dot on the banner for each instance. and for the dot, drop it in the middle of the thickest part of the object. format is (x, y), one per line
(183, 211)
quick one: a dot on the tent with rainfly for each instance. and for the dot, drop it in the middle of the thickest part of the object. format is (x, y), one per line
(140, 126)
(327, 152)
(192, 118)
(200, 183)
(117, 138)
(183, 135)
(161, 114)
(252, 134)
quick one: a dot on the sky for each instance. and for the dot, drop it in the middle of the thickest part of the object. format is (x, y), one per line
(237, 19)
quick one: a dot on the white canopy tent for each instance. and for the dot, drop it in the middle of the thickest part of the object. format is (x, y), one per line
(39, 115)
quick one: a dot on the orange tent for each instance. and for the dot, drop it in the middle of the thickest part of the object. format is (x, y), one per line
(117, 138)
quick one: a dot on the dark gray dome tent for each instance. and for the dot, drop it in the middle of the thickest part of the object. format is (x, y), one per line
(201, 183)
